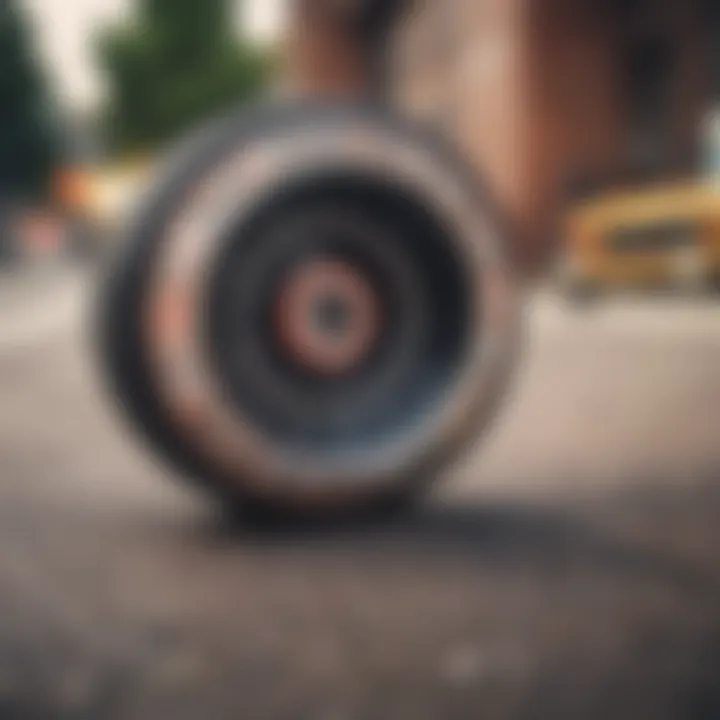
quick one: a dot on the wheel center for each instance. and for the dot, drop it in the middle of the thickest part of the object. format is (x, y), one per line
(333, 315)
(327, 316)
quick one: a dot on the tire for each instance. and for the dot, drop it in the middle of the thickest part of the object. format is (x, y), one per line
(581, 294)
(285, 488)
(575, 289)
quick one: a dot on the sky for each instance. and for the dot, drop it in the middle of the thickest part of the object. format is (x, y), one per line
(65, 30)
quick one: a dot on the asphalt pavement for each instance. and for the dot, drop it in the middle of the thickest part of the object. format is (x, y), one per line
(568, 569)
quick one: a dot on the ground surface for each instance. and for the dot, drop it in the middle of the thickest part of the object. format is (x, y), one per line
(570, 569)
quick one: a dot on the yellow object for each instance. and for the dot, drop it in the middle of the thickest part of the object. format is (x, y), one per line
(102, 195)
(663, 235)
(71, 187)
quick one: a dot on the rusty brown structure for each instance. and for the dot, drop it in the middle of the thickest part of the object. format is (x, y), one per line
(546, 98)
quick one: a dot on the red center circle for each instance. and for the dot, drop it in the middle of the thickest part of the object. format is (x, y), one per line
(328, 316)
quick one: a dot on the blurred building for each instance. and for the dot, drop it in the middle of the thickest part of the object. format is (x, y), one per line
(559, 97)
(553, 98)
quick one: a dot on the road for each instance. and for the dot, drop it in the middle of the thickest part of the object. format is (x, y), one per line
(569, 569)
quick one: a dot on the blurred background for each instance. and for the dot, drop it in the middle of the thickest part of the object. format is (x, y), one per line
(570, 569)
(93, 91)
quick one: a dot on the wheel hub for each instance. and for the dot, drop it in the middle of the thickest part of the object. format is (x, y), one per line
(328, 316)
(338, 315)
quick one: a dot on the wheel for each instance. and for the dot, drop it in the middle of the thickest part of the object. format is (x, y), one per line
(311, 315)
(692, 273)
(581, 294)
(573, 286)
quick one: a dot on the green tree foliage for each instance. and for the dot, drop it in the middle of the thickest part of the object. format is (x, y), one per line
(28, 148)
(179, 62)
